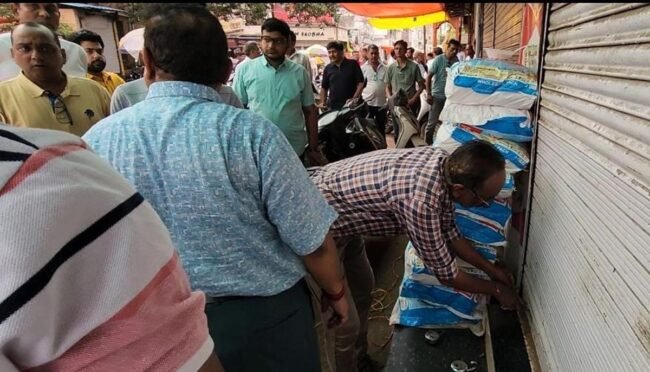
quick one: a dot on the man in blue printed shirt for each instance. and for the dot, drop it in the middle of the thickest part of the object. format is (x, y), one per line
(246, 219)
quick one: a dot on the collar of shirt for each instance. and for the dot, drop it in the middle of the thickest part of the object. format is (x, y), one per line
(35, 91)
(266, 63)
(379, 67)
(104, 78)
(408, 61)
(183, 88)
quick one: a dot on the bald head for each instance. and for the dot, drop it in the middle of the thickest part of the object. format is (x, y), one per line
(35, 27)
(37, 51)
(419, 57)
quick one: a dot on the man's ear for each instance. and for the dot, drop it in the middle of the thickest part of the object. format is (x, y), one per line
(149, 67)
(458, 187)
(457, 190)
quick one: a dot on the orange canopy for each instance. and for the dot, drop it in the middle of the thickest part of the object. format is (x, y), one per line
(392, 10)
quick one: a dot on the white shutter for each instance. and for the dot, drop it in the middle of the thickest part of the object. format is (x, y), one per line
(586, 277)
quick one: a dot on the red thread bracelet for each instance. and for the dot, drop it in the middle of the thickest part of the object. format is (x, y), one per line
(336, 297)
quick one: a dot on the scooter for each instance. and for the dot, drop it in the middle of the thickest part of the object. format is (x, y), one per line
(411, 132)
(347, 132)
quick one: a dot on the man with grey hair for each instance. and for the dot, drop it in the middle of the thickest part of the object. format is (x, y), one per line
(374, 93)
(252, 51)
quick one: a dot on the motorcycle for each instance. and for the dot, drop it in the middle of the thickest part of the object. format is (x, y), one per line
(347, 132)
(411, 130)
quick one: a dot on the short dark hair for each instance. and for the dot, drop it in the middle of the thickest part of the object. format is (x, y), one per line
(335, 45)
(153, 9)
(187, 42)
(410, 48)
(276, 25)
(473, 163)
(453, 42)
(401, 42)
(373, 47)
(292, 36)
(86, 35)
(430, 55)
(33, 24)
(437, 51)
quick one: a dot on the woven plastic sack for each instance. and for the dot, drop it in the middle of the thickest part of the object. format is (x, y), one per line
(493, 83)
(501, 122)
(451, 136)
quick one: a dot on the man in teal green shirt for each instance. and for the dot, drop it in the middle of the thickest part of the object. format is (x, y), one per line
(280, 90)
(436, 93)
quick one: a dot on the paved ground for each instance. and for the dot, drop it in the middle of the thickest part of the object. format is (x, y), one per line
(387, 259)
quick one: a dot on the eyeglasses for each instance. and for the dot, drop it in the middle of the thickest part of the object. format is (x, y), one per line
(486, 203)
(59, 108)
(275, 40)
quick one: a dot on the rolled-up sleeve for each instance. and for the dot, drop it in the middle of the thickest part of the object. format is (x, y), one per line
(293, 203)
(426, 230)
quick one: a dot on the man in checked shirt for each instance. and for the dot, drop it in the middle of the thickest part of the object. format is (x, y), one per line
(412, 191)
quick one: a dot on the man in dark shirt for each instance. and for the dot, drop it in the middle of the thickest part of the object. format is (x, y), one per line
(342, 79)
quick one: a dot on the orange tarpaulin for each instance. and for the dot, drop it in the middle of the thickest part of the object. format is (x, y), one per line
(392, 10)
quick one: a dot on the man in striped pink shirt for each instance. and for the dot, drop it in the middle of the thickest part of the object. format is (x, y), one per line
(90, 279)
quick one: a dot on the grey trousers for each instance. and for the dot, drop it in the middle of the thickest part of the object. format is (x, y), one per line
(341, 349)
(434, 114)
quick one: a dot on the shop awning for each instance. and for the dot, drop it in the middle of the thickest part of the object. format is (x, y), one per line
(402, 23)
(392, 10)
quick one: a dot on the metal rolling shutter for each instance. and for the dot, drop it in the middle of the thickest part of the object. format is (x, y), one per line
(489, 17)
(508, 27)
(587, 278)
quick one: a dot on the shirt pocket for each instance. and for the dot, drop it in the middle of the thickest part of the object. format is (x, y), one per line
(288, 92)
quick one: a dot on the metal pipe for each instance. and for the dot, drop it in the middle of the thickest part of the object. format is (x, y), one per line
(478, 29)
(533, 150)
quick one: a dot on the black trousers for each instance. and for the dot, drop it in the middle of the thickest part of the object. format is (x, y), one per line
(272, 333)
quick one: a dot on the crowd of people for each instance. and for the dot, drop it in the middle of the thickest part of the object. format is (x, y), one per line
(169, 223)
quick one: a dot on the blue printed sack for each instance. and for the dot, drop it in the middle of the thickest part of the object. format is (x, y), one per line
(501, 122)
(450, 137)
(484, 225)
(490, 82)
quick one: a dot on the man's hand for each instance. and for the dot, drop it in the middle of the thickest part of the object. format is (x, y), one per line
(502, 275)
(506, 297)
(429, 99)
(315, 157)
(341, 310)
(413, 100)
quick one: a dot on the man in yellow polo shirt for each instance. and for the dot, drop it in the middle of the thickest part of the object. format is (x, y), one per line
(43, 96)
(93, 45)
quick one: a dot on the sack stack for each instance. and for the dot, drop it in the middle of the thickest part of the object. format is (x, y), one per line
(488, 100)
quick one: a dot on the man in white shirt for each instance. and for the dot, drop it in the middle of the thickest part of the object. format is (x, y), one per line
(375, 91)
(420, 59)
(48, 15)
(461, 53)
(299, 58)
